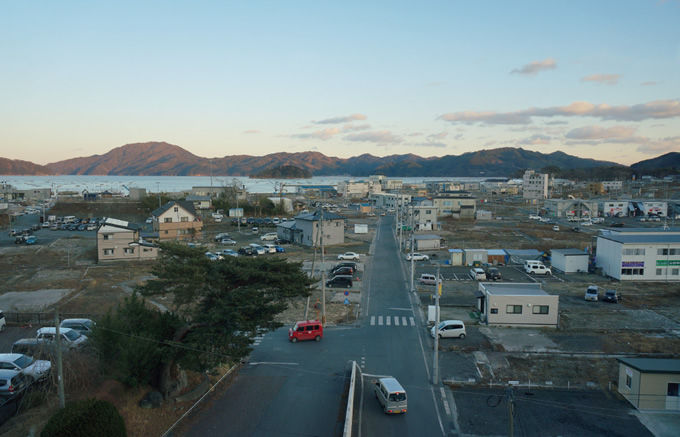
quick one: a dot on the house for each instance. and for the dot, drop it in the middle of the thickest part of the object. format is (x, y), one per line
(286, 231)
(524, 304)
(176, 220)
(308, 227)
(456, 257)
(569, 260)
(457, 204)
(118, 240)
(650, 383)
(639, 254)
(200, 202)
(429, 242)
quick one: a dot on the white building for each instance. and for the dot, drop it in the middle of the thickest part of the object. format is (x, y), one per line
(614, 208)
(569, 260)
(389, 200)
(644, 254)
(358, 189)
(610, 186)
(517, 305)
(534, 185)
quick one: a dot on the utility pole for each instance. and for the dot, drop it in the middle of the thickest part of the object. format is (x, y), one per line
(60, 366)
(323, 274)
(511, 411)
(435, 360)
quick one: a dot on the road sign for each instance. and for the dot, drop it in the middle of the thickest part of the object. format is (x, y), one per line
(236, 212)
(346, 301)
(346, 292)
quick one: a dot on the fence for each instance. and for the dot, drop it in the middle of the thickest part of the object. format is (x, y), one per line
(46, 318)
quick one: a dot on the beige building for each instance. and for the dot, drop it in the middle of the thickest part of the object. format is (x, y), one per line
(307, 230)
(118, 240)
(523, 304)
(176, 220)
(650, 383)
(534, 185)
(457, 204)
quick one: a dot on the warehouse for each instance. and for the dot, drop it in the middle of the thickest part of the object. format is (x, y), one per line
(650, 383)
(569, 260)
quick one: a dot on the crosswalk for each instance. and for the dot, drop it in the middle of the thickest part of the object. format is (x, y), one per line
(392, 321)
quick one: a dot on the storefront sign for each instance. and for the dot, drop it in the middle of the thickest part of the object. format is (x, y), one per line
(633, 264)
(667, 262)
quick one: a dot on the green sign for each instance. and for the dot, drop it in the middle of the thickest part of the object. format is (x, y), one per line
(666, 262)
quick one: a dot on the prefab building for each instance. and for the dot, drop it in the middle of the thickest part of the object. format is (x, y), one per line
(475, 257)
(456, 257)
(569, 260)
(650, 383)
(516, 305)
(429, 242)
(497, 257)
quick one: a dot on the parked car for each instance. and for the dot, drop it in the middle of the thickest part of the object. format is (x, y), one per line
(247, 251)
(417, 257)
(228, 242)
(611, 296)
(449, 329)
(429, 279)
(556, 228)
(269, 248)
(617, 225)
(592, 293)
(576, 229)
(339, 281)
(12, 383)
(534, 217)
(269, 236)
(279, 249)
(255, 230)
(211, 256)
(258, 249)
(342, 271)
(221, 236)
(3, 322)
(69, 337)
(349, 256)
(31, 239)
(83, 326)
(38, 370)
(477, 274)
(229, 252)
(493, 274)
(353, 265)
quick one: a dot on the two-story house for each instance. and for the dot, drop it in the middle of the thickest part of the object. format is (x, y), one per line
(308, 229)
(177, 220)
(118, 240)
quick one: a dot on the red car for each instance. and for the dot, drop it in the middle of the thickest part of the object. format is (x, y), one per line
(306, 330)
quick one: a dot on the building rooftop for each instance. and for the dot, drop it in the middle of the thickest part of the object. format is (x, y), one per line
(652, 365)
(427, 237)
(570, 252)
(642, 239)
(525, 289)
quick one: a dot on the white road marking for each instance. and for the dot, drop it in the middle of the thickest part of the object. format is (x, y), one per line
(372, 320)
(380, 320)
(396, 320)
(403, 321)
(389, 320)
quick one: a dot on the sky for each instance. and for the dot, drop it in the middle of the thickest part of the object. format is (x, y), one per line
(595, 79)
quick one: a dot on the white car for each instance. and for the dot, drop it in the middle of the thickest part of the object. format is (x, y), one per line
(269, 236)
(349, 256)
(573, 219)
(69, 337)
(588, 223)
(534, 217)
(556, 228)
(417, 257)
(228, 242)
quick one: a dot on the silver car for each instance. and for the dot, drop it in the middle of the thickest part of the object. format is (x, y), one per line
(37, 369)
(12, 383)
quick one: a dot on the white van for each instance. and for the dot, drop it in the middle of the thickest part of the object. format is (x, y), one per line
(391, 395)
(269, 248)
(449, 329)
(536, 268)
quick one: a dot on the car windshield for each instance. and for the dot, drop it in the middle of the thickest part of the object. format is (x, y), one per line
(23, 361)
(72, 335)
(441, 325)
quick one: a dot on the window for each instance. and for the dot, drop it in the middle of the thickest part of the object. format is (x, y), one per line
(629, 381)
(633, 252)
(128, 251)
(108, 236)
(674, 272)
(167, 220)
(165, 232)
(540, 309)
(632, 272)
(513, 309)
(176, 209)
(660, 272)
(494, 310)
(146, 249)
(108, 252)
(184, 219)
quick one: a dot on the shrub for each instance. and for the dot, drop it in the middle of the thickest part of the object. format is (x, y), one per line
(86, 418)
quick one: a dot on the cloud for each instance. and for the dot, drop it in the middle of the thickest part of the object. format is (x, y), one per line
(535, 67)
(439, 136)
(489, 143)
(251, 131)
(380, 137)
(660, 146)
(650, 83)
(351, 127)
(599, 133)
(429, 144)
(607, 79)
(555, 122)
(346, 119)
(644, 111)
(323, 134)
(535, 140)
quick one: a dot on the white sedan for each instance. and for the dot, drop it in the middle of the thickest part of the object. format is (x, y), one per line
(417, 257)
(349, 256)
(534, 217)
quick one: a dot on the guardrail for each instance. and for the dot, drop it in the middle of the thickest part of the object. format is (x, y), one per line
(349, 412)
(39, 318)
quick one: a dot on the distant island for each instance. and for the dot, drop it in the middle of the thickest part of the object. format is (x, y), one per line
(282, 172)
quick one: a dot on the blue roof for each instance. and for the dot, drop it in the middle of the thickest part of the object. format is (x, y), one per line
(455, 250)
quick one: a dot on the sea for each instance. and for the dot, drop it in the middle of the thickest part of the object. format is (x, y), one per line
(176, 184)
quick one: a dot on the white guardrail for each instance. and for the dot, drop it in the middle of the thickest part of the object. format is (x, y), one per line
(350, 401)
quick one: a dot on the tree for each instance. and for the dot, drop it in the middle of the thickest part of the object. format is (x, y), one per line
(224, 303)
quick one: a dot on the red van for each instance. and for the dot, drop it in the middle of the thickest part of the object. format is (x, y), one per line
(306, 330)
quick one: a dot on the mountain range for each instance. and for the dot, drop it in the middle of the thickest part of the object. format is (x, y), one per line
(163, 159)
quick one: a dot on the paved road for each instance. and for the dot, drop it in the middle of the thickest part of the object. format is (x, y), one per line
(297, 389)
